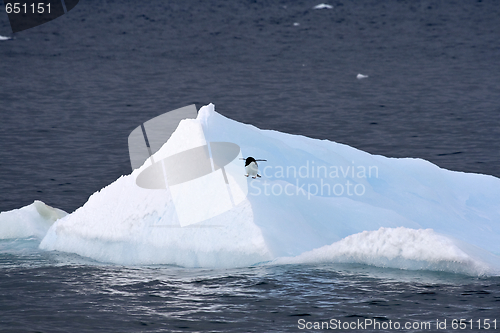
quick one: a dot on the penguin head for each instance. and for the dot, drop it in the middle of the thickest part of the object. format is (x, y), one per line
(249, 160)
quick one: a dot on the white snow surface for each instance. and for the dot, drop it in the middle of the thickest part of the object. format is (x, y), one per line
(407, 213)
(398, 248)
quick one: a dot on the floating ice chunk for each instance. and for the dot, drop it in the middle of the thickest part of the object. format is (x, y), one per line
(296, 24)
(5, 38)
(29, 221)
(323, 6)
(361, 76)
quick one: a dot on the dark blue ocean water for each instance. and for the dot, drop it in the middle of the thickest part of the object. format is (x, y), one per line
(56, 292)
(73, 89)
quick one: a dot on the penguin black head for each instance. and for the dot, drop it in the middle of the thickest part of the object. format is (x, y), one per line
(249, 160)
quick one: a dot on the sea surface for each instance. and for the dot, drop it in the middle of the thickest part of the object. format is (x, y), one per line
(73, 89)
(55, 292)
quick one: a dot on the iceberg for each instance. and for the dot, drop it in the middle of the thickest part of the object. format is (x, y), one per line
(317, 201)
(30, 221)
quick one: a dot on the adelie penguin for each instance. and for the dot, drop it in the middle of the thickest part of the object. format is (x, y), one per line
(251, 167)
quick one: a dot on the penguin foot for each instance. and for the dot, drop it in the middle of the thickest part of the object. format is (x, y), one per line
(246, 175)
(254, 177)
(258, 176)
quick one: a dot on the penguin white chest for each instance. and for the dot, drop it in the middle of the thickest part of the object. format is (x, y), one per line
(252, 169)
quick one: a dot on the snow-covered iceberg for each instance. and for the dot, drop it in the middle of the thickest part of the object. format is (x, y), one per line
(317, 201)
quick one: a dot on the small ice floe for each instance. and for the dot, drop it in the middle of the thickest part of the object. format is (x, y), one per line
(5, 38)
(361, 76)
(323, 6)
(296, 24)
